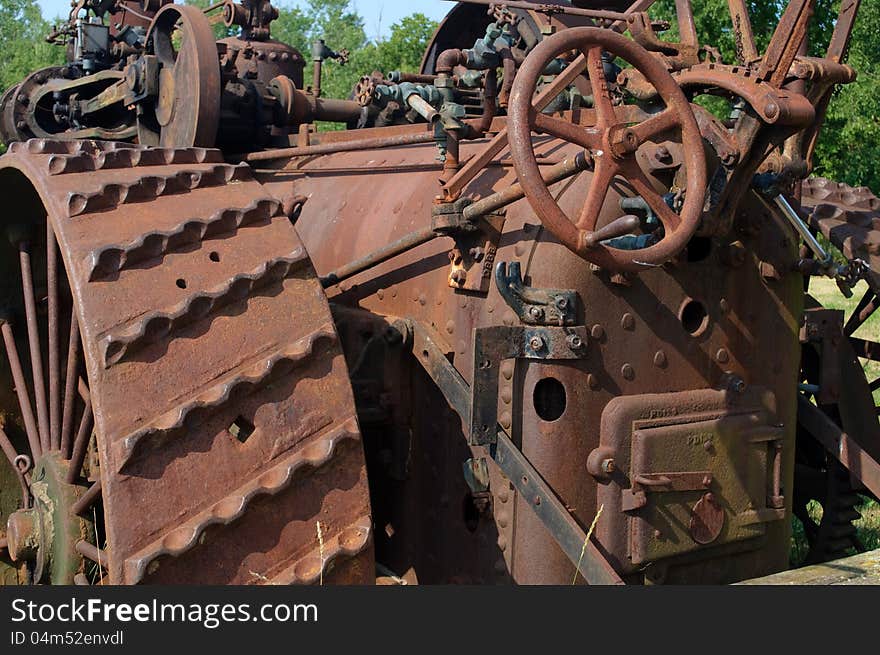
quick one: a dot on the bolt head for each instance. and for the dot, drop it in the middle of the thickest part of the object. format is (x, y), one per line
(608, 466)
(536, 312)
(536, 343)
(575, 342)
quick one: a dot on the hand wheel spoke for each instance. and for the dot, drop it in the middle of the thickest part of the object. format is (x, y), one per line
(604, 173)
(657, 124)
(586, 137)
(601, 96)
(645, 189)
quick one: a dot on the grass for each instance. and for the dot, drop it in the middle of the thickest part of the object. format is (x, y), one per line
(868, 526)
(827, 293)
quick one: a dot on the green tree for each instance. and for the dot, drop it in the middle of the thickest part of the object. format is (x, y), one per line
(22, 41)
(849, 145)
(341, 27)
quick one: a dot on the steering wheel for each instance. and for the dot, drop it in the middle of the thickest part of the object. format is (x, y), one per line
(612, 141)
(186, 111)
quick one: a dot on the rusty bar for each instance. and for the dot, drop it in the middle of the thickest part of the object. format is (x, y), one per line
(687, 28)
(863, 311)
(839, 44)
(843, 446)
(92, 552)
(343, 146)
(744, 38)
(30, 309)
(54, 346)
(396, 77)
(88, 499)
(8, 449)
(80, 444)
(866, 349)
(11, 454)
(375, 258)
(70, 385)
(479, 161)
(786, 41)
(494, 202)
(24, 402)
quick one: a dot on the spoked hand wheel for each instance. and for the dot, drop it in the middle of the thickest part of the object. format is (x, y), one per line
(612, 142)
(186, 111)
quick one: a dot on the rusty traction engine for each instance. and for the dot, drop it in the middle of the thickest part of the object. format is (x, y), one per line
(535, 283)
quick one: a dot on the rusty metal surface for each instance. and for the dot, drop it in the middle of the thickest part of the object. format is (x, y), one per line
(612, 145)
(637, 353)
(220, 458)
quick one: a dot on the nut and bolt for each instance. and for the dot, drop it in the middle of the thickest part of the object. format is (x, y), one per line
(574, 342)
(459, 277)
(608, 466)
(536, 343)
(536, 312)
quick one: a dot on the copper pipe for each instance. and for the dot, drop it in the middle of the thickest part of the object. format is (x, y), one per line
(24, 402)
(54, 349)
(70, 384)
(80, 445)
(88, 499)
(30, 309)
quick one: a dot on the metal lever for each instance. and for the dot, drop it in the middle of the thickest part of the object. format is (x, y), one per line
(617, 228)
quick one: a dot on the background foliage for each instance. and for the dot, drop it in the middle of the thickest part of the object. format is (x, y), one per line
(848, 150)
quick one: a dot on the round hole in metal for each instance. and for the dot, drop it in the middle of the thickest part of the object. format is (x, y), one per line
(694, 317)
(549, 399)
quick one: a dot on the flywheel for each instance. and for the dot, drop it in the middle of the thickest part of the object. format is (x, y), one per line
(176, 407)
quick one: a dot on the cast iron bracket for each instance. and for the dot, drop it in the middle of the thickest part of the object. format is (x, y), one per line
(492, 345)
(535, 492)
(534, 306)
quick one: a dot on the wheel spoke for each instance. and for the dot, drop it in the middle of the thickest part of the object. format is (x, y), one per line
(657, 124)
(54, 351)
(70, 384)
(81, 444)
(601, 95)
(585, 137)
(89, 498)
(863, 311)
(89, 551)
(30, 309)
(24, 401)
(645, 189)
(566, 77)
(605, 170)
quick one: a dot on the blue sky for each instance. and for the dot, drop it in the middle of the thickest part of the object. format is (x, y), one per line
(378, 14)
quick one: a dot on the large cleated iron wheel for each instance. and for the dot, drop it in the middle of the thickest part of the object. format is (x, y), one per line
(176, 407)
(850, 219)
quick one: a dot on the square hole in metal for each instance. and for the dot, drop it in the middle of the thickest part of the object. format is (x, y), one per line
(241, 429)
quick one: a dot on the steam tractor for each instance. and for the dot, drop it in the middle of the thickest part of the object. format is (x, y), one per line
(540, 314)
